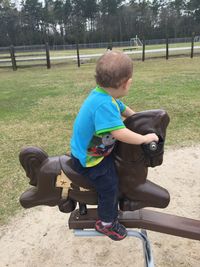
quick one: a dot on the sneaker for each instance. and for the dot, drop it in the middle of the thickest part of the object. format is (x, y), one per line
(115, 231)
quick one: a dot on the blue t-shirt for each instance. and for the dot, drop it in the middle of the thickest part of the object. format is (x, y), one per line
(91, 138)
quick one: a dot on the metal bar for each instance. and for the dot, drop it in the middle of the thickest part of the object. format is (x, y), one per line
(148, 256)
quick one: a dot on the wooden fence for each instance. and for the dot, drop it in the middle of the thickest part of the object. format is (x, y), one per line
(167, 48)
(11, 57)
(40, 55)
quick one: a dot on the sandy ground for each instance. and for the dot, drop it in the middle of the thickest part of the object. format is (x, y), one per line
(40, 237)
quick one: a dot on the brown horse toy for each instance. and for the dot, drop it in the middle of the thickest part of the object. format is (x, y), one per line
(54, 182)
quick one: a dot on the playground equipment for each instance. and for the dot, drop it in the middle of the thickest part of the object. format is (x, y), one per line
(135, 42)
(55, 183)
(197, 38)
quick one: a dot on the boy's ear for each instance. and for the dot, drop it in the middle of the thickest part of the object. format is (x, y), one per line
(127, 83)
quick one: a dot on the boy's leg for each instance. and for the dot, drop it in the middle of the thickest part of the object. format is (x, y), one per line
(106, 184)
(105, 180)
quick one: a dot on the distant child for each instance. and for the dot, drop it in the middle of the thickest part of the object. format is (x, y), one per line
(96, 128)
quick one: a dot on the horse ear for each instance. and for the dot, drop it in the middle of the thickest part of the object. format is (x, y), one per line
(31, 159)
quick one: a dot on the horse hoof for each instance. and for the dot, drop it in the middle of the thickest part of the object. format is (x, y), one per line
(131, 205)
(82, 209)
(67, 206)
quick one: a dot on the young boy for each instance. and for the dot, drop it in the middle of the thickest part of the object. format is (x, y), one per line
(96, 128)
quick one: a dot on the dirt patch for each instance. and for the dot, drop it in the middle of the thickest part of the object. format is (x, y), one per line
(40, 237)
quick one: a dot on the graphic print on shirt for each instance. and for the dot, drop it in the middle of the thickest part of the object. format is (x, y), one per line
(101, 145)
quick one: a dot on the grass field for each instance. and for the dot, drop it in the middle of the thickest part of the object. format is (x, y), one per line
(38, 107)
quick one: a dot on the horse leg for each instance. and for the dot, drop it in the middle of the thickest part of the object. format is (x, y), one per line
(146, 195)
(82, 208)
(130, 205)
(67, 205)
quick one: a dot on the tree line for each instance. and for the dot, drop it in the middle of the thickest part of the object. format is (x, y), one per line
(87, 21)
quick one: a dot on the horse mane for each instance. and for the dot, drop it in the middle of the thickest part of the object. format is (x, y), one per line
(31, 159)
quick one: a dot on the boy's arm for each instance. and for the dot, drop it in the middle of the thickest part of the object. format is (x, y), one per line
(127, 136)
(128, 112)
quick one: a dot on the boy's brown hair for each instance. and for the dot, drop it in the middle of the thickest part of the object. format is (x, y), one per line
(113, 69)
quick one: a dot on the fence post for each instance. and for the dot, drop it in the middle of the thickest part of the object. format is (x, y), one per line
(143, 50)
(167, 48)
(13, 59)
(78, 57)
(192, 45)
(48, 56)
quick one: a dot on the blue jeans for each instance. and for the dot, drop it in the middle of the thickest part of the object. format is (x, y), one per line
(105, 180)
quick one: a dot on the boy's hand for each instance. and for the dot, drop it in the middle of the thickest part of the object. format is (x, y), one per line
(150, 138)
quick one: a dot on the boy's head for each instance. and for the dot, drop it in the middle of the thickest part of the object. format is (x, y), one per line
(113, 69)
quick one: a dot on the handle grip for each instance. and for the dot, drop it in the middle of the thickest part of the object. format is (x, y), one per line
(153, 146)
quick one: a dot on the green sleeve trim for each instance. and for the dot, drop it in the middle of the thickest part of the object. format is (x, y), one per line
(123, 109)
(108, 130)
(94, 161)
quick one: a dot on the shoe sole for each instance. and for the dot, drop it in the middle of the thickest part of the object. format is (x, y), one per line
(113, 237)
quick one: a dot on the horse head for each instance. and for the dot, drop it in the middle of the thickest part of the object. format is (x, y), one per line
(150, 121)
(132, 161)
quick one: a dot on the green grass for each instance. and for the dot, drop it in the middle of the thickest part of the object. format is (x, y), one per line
(38, 107)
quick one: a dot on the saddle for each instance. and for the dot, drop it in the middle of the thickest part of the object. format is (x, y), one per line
(81, 190)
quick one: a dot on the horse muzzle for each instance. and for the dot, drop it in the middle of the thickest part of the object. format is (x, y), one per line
(153, 153)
